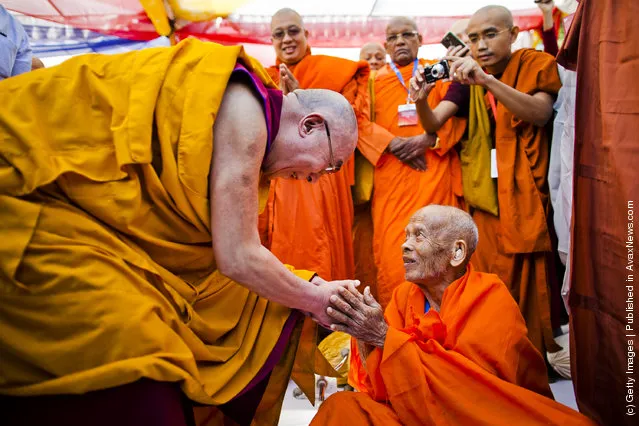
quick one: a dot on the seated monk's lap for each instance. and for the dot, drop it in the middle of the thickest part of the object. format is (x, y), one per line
(354, 408)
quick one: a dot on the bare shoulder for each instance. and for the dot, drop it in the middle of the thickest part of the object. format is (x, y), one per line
(241, 118)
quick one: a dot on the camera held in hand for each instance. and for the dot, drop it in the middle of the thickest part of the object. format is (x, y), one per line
(437, 71)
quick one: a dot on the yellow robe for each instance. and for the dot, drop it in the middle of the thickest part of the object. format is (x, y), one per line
(106, 269)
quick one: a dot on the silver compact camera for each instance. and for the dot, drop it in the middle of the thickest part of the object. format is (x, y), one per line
(437, 71)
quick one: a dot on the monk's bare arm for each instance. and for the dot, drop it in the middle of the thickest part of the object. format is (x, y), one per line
(535, 109)
(239, 143)
(433, 119)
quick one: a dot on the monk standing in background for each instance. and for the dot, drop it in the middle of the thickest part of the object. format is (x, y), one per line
(311, 225)
(374, 54)
(132, 270)
(451, 347)
(521, 88)
(415, 170)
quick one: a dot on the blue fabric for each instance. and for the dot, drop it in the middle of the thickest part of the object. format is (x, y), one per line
(15, 53)
(49, 41)
(426, 305)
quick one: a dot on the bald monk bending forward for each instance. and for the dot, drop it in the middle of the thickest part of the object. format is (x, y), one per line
(451, 348)
(130, 245)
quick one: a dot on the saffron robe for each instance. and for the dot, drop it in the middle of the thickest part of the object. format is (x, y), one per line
(601, 46)
(107, 270)
(399, 191)
(515, 245)
(469, 364)
(310, 225)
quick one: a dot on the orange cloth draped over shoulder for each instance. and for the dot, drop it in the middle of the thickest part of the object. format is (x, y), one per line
(515, 245)
(107, 270)
(399, 191)
(310, 225)
(469, 364)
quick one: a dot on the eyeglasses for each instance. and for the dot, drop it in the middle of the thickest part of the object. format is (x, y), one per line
(332, 167)
(407, 35)
(486, 36)
(292, 32)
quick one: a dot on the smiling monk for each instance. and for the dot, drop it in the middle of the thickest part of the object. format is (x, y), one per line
(450, 349)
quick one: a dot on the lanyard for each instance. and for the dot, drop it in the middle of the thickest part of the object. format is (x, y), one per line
(401, 78)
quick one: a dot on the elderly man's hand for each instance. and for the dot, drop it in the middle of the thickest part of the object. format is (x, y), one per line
(358, 315)
(324, 291)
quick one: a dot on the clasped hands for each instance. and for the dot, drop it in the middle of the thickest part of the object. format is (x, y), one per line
(358, 315)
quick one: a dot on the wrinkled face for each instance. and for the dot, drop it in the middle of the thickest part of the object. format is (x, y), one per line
(374, 55)
(425, 257)
(289, 38)
(490, 40)
(402, 42)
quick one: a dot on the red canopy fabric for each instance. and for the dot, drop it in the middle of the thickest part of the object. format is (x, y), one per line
(127, 19)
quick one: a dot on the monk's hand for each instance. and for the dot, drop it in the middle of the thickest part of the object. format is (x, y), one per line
(546, 6)
(418, 88)
(324, 291)
(458, 51)
(412, 150)
(288, 82)
(467, 71)
(358, 315)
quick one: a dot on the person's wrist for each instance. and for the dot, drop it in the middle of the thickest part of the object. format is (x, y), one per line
(489, 81)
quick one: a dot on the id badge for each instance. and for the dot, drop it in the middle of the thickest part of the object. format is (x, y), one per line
(493, 163)
(407, 115)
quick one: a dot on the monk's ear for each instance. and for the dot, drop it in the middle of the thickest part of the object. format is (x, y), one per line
(311, 122)
(514, 32)
(419, 37)
(460, 252)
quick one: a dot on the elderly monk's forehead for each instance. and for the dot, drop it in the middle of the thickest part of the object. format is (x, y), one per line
(400, 24)
(284, 18)
(372, 48)
(490, 17)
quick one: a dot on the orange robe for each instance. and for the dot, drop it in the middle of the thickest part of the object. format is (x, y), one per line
(399, 191)
(515, 245)
(469, 364)
(311, 224)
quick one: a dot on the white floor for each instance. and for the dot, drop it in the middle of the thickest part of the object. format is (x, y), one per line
(296, 412)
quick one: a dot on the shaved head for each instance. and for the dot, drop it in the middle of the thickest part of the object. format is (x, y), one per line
(288, 36)
(402, 20)
(439, 243)
(449, 224)
(402, 40)
(372, 46)
(301, 149)
(373, 53)
(287, 13)
(339, 114)
(497, 14)
(459, 27)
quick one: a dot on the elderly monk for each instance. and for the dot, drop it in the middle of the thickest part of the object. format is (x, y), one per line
(416, 169)
(520, 91)
(451, 347)
(373, 53)
(131, 247)
(310, 225)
